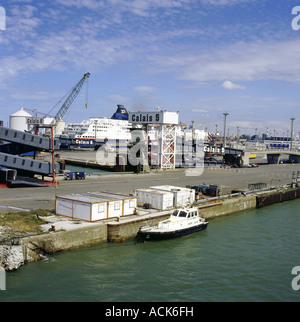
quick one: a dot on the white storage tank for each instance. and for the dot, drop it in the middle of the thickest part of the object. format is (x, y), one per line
(95, 206)
(161, 200)
(181, 196)
(18, 120)
(60, 126)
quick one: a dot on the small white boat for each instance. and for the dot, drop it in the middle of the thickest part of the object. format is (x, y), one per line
(183, 221)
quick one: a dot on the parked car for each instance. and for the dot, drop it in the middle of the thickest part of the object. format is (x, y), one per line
(210, 159)
(286, 161)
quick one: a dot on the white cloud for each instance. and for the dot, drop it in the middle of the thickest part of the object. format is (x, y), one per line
(81, 45)
(225, 2)
(138, 7)
(145, 90)
(231, 86)
(118, 99)
(241, 61)
(199, 111)
(39, 95)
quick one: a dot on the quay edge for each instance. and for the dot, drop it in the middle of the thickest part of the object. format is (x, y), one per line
(228, 206)
(37, 247)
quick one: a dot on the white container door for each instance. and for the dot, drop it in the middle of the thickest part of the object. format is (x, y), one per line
(64, 207)
(99, 211)
(82, 211)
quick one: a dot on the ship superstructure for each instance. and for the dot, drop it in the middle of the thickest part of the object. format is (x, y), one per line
(100, 129)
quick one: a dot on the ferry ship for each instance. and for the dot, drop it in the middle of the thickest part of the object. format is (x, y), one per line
(96, 131)
(99, 129)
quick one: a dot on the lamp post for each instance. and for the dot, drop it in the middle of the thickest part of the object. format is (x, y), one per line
(255, 136)
(292, 130)
(225, 114)
(95, 124)
(193, 136)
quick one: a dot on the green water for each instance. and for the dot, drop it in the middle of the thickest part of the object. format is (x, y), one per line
(243, 257)
(87, 170)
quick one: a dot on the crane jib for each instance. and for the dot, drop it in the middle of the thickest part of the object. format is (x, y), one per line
(70, 99)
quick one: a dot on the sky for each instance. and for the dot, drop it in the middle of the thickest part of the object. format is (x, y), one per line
(199, 57)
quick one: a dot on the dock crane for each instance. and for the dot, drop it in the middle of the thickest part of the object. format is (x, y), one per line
(70, 99)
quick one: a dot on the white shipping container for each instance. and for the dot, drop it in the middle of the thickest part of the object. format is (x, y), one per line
(94, 206)
(161, 200)
(181, 196)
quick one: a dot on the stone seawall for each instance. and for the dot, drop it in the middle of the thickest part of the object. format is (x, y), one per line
(35, 248)
(64, 240)
(118, 232)
(276, 197)
(228, 206)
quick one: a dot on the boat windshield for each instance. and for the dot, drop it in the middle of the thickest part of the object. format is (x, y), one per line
(182, 214)
(175, 213)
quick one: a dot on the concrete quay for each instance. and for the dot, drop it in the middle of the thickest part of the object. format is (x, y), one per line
(230, 179)
(72, 234)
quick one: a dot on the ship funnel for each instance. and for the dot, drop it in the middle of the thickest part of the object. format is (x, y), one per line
(121, 113)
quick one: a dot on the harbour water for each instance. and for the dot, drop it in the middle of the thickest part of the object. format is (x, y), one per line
(247, 256)
(87, 170)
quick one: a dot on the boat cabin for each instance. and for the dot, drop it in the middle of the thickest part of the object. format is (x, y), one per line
(182, 213)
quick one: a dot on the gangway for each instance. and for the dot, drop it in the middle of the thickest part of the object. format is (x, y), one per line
(21, 142)
(34, 142)
(27, 165)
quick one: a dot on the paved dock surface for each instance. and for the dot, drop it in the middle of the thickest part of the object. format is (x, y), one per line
(229, 179)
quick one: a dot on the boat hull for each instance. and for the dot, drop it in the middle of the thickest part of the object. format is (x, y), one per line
(163, 235)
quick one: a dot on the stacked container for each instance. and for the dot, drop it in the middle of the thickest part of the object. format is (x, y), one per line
(161, 200)
(181, 196)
